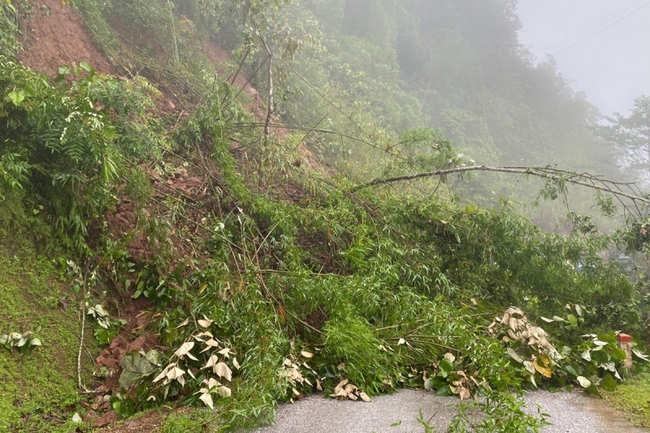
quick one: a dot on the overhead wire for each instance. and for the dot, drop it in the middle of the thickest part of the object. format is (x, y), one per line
(629, 13)
(597, 20)
(601, 19)
(568, 20)
(617, 9)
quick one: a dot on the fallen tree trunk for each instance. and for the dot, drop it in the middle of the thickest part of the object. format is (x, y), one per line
(555, 175)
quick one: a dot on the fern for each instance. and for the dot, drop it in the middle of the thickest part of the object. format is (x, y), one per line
(63, 149)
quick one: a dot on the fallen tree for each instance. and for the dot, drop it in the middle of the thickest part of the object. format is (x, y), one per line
(560, 178)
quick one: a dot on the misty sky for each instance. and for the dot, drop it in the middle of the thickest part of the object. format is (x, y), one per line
(601, 46)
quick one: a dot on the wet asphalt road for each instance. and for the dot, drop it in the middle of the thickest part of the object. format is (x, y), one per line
(398, 413)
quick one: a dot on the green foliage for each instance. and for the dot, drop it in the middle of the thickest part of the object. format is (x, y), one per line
(592, 363)
(630, 137)
(359, 352)
(108, 328)
(68, 145)
(207, 130)
(152, 33)
(40, 390)
(214, 369)
(22, 342)
(630, 398)
(310, 287)
(505, 413)
(9, 42)
(427, 150)
(386, 311)
(194, 421)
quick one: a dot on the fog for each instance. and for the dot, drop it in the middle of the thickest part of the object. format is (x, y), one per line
(600, 46)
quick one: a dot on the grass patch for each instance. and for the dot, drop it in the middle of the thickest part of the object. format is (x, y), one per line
(189, 420)
(38, 389)
(633, 398)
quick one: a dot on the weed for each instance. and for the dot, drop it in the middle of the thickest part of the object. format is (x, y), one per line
(195, 421)
(631, 398)
(350, 294)
(38, 389)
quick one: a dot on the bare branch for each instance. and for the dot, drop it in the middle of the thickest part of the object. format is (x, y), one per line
(556, 175)
(271, 99)
(85, 289)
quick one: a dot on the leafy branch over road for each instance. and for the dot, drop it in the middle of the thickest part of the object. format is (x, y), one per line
(560, 177)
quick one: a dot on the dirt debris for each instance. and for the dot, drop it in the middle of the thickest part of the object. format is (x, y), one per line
(108, 418)
(56, 36)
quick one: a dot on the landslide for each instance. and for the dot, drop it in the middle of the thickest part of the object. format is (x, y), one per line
(219, 266)
(54, 36)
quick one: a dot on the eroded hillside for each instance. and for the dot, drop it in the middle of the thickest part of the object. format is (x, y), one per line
(211, 253)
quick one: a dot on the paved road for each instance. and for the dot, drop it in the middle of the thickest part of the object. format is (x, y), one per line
(398, 413)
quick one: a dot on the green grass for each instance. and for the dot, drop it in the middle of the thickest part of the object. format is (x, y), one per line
(38, 390)
(196, 420)
(633, 398)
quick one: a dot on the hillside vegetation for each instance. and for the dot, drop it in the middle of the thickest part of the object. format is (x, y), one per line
(180, 229)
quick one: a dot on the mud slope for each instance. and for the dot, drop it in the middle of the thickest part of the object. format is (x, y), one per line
(56, 36)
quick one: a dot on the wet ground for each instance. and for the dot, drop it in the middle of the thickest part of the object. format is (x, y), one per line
(610, 418)
(399, 413)
(577, 412)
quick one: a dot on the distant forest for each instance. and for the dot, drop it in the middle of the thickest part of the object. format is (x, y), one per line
(378, 68)
(448, 64)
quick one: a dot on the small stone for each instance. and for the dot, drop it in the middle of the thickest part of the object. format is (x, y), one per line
(132, 424)
(107, 419)
(90, 416)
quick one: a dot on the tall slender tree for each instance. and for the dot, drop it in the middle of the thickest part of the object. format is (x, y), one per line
(630, 137)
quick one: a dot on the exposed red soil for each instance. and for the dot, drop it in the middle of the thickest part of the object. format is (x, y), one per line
(219, 57)
(148, 422)
(134, 336)
(58, 39)
(123, 220)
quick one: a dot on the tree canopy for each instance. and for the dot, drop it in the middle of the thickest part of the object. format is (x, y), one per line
(630, 138)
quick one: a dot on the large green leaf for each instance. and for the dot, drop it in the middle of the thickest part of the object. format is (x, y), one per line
(617, 354)
(609, 337)
(446, 367)
(571, 370)
(135, 366)
(16, 97)
(600, 356)
(593, 390)
(573, 321)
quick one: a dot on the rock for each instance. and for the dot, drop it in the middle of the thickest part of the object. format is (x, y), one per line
(90, 416)
(107, 419)
(132, 424)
